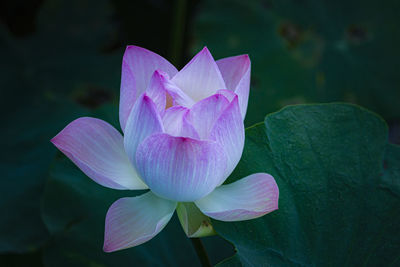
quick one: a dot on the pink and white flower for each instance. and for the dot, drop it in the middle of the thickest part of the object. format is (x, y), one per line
(183, 136)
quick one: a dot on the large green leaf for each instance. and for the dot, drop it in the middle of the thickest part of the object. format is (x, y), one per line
(338, 205)
(27, 155)
(308, 51)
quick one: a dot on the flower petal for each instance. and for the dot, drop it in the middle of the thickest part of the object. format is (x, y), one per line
(143, 121)
(138, 66)
(157, 92)
(176, 124)
(233, 69)
(178, 96)
(180, 168)
(228, 131)
(248, 198)
(204, 113)
(97, 149)
(131, 221)
(236, 73)
(227, 93)
(193, 221)
(201, 77)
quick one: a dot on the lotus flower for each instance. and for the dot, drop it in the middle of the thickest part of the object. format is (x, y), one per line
(183, 136)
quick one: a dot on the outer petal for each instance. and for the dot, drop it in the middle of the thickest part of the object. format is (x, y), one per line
(236, 74)
(176, 124)
(132, 221)
(204, 113)
(143, 121)
(137, 67)
(179, 168)
(200, 77)
(228, 130)
(248, 198)
(97, 149)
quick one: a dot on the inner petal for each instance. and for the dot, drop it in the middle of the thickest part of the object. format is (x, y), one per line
(205, 113)
(201, 77)
(176, 124)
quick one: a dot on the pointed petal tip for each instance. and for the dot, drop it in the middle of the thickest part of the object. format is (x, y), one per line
(204, 113)
(146, 98)
(161, 74)
(235, 98)
(54, 140)
(235, 102)
(107, 248)
(245, 56)
(205, 51)
(246, 60)
(216, 97)
(176, 122)
(242, 57)
(143, 121)
(200, 77)
(243, 60)
(202, 54)
(130, 47)
(134, 47)
(148, 101)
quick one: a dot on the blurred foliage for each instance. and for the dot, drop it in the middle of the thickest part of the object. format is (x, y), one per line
(74, 211)
(339, 185)
(61, 60)
(24, 170)
(306, 51)
(47, 76)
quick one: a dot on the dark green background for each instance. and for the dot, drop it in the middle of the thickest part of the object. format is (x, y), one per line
(61, 60)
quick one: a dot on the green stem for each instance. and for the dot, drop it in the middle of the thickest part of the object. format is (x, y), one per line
(201, 252)
(178, 30)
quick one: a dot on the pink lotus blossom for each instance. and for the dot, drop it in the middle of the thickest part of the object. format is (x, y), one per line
(183, 136)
